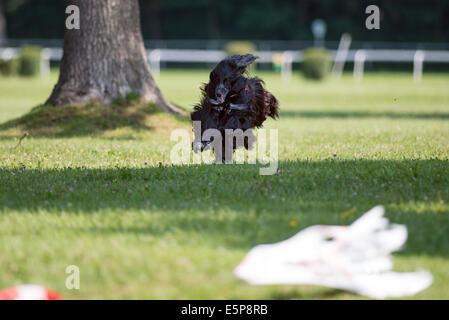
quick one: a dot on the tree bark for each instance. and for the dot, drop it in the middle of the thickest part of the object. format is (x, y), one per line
(2, 24)
(105, 58)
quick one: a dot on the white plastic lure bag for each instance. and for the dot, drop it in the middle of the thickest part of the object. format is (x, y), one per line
(355, 258)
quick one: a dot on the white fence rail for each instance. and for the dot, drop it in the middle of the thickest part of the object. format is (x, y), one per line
(359, 57)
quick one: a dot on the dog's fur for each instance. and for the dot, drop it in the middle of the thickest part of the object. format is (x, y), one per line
(232, 101)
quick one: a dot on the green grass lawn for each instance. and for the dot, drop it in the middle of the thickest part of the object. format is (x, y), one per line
(109, 201)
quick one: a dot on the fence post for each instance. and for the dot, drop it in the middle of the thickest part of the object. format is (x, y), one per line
(342, 53)
(359, 64)
(45, 63)
(7, 54)
(286, 68)
(155, 62)
(418, 60)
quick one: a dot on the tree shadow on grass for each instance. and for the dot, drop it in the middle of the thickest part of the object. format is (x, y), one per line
(233, 205)
(365, 114)
(91, 119)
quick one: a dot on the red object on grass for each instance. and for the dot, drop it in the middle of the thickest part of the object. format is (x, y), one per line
(28, 292)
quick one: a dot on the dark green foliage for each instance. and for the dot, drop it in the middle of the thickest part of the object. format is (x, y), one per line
(8, 67)
(316, 64)
(414, 20)
(123, 102)
(132, 97)
(30, 61)
(240, 47)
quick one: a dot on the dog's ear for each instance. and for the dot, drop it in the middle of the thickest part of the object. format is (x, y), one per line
(242, 61)
(209, 89)
(245, 60)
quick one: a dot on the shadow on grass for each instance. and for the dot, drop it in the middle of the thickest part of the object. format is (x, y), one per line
(364, 114)
(54, 122)
(294, 293)
(233, 205)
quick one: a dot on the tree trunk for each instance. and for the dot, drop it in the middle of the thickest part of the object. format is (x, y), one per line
(105, 58)
(2, 24)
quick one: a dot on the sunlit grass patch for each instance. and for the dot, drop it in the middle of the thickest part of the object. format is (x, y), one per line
(95, 187)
